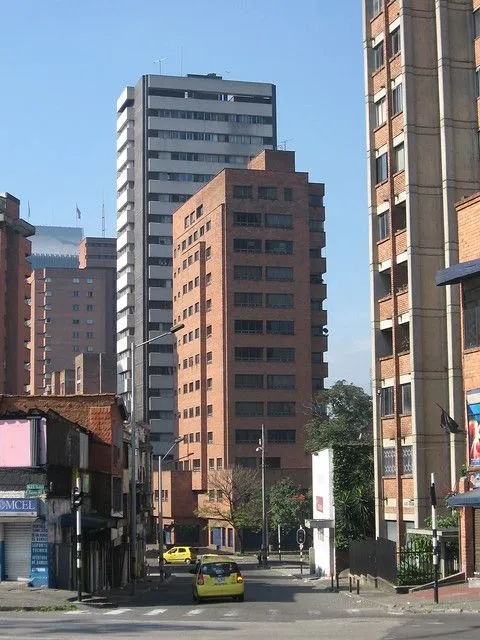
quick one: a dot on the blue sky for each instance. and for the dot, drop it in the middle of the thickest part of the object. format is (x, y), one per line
(63, 65)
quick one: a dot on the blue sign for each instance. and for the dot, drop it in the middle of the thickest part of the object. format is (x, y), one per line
(39, 573)
(18, 506)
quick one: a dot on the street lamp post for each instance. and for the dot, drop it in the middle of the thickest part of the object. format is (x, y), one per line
(160, 509)
(133, 427)
(261, 448)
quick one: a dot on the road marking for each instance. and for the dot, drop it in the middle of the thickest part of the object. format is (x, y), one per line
(231, 614)
(155, 612)
(272, 612)
(395, 613)
(75, 612)
(194, 612)
(116, 612)
(353, 610)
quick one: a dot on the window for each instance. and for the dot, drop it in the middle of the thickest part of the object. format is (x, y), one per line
(281, 327)
(75, 334)
(477, 83)
(76, 349)
(76, 294)
(208, 279)
(209, 357)
(280, 354)
(279, 221)
(395, 44)
(267, 193)
(246, 299)
(407, 467)
(248, 409)
(211, 464)
(386, 402)
(208, 305)
(279, 247)
(89, 349)
(211, 495)
(281, 274)
(209, 331)
(209, 410)
(280, 409)
(89, 294)
(248, 354)
(383, 225)
(315, 200)
(381, 168)
(75, 307)
(249, 326)
(247, 436)
(399, 158)
(242, 219)
(196, 464)
(380, 112)
(248, 381)
(76, 280)
(248, 463)
(281, 436)
(89, 321)
(280, 381)
(317, 357)
(280, 300)
(219, 495)
(316, 330)
(316, 305)
(243, 192)
(388, 461)
(244, 272)
(219, 464)
(89, 335)
(376, 7)
(75, 321)
(208, 253)
(288, 194)
(89, 307)
(476, 23)
(208, 225)
(406, 399)
(209, 437)
(397, 99)
(471, 316)
(378, 59)
(315, 225)
(245, 245)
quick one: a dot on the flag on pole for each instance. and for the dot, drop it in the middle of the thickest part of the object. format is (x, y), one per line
(29, 209)
(448, 423)
(79, 213)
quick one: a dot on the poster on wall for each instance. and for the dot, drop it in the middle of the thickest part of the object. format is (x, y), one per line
(473, 416)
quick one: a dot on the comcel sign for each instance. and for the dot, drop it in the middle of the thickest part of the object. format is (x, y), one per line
(18, 507)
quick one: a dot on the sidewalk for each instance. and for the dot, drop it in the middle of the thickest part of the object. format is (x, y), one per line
(451, 598)
(18, 596)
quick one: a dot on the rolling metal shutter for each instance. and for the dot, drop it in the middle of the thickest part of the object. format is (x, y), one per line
(18, 545)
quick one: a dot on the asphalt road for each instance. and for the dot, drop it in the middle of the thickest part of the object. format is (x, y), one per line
(275, 606)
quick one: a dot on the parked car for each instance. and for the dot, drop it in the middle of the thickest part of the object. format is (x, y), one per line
(186, 555)
(217, 577)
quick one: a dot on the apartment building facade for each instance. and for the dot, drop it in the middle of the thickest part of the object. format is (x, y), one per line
(248, 286)
(422, 139)
(73, 311)
(173, 135)
(14, 296)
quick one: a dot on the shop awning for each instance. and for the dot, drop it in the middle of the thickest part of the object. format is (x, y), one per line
(468, 499)
(90, 522)
(458, 272)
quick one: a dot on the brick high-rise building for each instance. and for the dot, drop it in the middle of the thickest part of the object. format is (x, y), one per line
(73, 311)
(173, 135)
(14, 297)
(248, 285)
(421, 74)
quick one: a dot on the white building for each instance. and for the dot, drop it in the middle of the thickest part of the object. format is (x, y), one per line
(173, 135)
(323, 510)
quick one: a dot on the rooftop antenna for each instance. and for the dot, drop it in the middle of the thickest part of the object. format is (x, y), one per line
(159, 62)
(103, 218)
(283, 143)
(181, 60)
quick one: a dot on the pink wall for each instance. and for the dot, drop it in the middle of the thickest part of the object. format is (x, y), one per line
(15, 443)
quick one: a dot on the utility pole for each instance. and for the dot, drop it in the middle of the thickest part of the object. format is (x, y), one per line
(76, 503)
(161, 458)
(261, 448)
(433, 501)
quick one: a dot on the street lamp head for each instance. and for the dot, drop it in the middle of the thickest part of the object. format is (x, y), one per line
(177, 327)
(178, 439)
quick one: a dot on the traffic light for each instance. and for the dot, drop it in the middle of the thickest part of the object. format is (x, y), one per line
(301, 536)
(77, 498)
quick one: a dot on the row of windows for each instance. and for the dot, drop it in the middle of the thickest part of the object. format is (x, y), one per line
(198, 157)
(76, 349)
(247, 272)
(77, 321)
(471, 316)
(193, 335)
(387, 404)
(256, 381)
(88, 334)
(381, 163)
(195, 412)
(272, 327)
(205, 136)
(272, 300)
(245, 192)
(381, 106)
(192, 284)
(232, 118)
(49, 279)
(208, 95)
(271, 220)
(179, 177)
(254, 409)
(252, 462)
(394, 47)
(194, 237)
(274, 436)
(194, 386)
(389, 461)
(88, 307)
(189, 311)
(275, 247)
(188, 362)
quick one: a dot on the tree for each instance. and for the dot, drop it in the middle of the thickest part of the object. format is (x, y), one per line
(289, 504)
(341, 414)
(240, 503)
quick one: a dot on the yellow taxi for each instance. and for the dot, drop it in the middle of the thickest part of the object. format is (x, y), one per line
(179, 555)
(217, 577)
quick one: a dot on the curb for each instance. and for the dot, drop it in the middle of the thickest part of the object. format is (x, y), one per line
(411, 608)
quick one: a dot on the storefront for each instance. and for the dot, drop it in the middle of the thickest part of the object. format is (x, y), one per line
(17, 518)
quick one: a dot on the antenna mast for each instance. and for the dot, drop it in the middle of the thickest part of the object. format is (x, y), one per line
(103, 219)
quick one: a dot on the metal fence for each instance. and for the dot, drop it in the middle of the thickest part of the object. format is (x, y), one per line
(376, 558)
